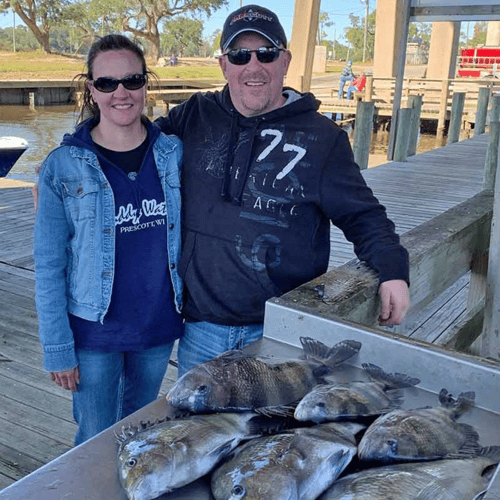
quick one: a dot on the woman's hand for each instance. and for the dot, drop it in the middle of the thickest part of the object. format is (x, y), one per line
(68, 379)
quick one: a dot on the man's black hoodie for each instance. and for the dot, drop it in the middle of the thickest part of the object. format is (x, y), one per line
(258, 196)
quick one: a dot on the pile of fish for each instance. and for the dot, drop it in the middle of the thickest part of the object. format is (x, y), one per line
(258, 429)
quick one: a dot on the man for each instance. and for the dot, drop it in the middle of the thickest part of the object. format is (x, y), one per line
(264, 173)
(357, 85)
(346, 75)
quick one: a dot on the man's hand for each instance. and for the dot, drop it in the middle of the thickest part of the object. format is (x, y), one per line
(395, 301)
(68, 379)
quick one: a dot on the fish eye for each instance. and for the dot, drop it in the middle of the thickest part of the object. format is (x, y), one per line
(202, 388)
(131, 462)
(321, 404)
(238, 491)
(393, 445)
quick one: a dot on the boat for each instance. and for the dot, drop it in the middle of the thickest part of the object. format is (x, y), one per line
(11, 149)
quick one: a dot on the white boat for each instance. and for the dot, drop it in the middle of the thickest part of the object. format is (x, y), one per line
(11, 148)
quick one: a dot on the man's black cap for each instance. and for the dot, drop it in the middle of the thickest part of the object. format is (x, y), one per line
(253, 19)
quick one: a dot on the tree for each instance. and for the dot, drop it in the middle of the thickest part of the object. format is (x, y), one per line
(180, 33)
(324, 22)
(354, 34)
(38, 15)
(142, 17)
(480, 32)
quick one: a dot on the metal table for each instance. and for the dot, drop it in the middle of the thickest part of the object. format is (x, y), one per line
(88, 472)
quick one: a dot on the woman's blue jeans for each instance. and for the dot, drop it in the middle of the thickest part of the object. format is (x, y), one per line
(203, 341)
(115, 384)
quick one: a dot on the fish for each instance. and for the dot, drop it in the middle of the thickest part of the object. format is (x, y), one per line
(293, 465)
(456, 479)
(158, 458)
(236, 381)
(341, 401)
(417, 434)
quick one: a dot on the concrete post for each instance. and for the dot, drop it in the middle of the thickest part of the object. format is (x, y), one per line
(443, 50)
(493, 34)
(305, 27)
(390, 22)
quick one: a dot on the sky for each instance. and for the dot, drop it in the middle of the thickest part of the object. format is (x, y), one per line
(338, 11)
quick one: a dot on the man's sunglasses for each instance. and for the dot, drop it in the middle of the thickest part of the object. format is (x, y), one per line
(106, 84)
(243, 56)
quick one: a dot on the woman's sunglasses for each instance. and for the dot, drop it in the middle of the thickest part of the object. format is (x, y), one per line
(106, 84)
(243, 56)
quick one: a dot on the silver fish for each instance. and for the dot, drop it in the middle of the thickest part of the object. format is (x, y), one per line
(157, 458)
(459, 479)
(341, 401)
(296, 465)
(421, 434)
(235, 381)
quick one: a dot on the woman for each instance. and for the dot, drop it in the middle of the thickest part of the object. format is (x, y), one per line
(107, 244)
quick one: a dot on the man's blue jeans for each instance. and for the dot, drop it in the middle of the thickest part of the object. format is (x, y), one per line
(115, 384)
(203, 341)
(350, 91)
(343, 81)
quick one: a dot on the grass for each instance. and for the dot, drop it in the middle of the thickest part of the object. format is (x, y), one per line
(39, 66)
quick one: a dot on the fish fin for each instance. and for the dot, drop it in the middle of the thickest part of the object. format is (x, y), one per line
(471, 447)
(223, 450)
(491, 452)
(444, 489)
(278, 411)
(391, 380)
(129, 431)
(396, 399)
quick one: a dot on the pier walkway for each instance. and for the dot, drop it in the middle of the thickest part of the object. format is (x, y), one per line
(35, 414)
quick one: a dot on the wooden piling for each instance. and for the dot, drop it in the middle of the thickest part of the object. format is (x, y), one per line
(363, 133)
(457, 108)
(369, 89)
(482, 110)
(445, 89)
(490, 167)
(415, 103)
(403, 134)
(495, 108)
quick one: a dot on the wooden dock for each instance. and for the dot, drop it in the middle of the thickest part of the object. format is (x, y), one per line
(35, 414)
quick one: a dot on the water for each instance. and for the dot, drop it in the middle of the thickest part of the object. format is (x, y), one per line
(45, 126)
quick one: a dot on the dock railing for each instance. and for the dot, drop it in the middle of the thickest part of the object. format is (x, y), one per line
(437, 96)
(442, 251)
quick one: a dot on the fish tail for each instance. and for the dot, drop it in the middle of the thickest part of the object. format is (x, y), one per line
(390, 380)
(463, 403)
(317, 351)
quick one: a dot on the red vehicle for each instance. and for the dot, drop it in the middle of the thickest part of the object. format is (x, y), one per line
(478, 62)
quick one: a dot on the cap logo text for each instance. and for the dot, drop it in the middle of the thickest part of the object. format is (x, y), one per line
(251, 15)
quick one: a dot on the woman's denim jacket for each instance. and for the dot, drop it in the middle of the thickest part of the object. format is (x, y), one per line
(74, 245)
